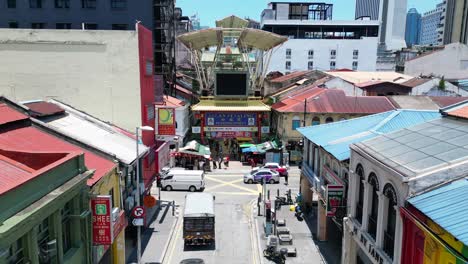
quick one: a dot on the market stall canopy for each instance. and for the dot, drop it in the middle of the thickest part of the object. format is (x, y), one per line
(232, 22)
(196, 149)
(261, 148)
(231, 106)
(248, 37)
(246, 145)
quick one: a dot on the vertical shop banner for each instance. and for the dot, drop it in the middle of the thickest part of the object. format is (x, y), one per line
(335, 195)
(166, 121)
(101, 207)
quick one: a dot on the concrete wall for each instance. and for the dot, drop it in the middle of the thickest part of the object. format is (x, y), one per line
(348, 88)
(103, 15)
(367, 57)
(451, 62)
(431, 88)
(94, 71)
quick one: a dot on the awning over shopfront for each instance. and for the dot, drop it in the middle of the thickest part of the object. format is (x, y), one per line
(193, 148)
(231, 106)
(261, 148)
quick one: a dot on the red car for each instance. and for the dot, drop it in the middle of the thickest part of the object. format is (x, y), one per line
(282, 170)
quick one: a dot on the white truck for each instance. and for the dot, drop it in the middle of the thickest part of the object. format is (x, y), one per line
(199, 219)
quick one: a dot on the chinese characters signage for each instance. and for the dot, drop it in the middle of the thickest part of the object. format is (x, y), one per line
(230, 119)
(166, 121)
(101, 207)
(335, 195)
(230, 134)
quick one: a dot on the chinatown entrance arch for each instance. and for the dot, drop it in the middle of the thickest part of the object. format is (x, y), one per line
(231, 62)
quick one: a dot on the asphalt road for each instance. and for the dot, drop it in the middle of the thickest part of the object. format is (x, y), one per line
(234, 237)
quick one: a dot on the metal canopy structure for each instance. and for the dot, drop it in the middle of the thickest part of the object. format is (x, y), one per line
(232, 22)
(248, 37)
(231, 47)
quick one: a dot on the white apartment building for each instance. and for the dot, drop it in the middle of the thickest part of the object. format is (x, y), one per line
(431, 23)
(318, 43)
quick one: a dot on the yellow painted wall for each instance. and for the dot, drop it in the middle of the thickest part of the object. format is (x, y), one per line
(442, 255)
(285, 130)
(103, 187)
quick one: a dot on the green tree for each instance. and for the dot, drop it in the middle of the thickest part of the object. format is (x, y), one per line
(442, 84)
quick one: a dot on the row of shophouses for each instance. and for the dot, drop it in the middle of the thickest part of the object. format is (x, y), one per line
(68, 185)
(392, 184)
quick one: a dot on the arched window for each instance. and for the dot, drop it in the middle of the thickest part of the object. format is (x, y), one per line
(360, 201)
(389, 234)
(315, 121)
(296, 122)
(329, 120)
(372, 228)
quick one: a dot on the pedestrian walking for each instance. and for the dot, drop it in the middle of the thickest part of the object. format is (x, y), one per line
(214, 164)
(220, 160)
(286, 178)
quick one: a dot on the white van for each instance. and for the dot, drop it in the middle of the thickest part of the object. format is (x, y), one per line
(191, 180)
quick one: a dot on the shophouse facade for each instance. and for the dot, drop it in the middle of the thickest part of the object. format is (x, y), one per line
(387, 170)
(325, 168)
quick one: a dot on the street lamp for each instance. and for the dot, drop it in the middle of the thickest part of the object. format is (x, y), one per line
(142, 128)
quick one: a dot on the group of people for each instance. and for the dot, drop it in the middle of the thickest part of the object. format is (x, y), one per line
(218, 161)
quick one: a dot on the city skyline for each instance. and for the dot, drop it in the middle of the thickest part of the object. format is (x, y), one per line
(342, 9)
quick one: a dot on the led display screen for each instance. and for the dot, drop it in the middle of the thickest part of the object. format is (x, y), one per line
(231, 84)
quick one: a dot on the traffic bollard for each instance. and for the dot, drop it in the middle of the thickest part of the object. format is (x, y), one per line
(173, 208)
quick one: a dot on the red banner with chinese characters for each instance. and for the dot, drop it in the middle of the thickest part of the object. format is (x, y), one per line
(101, 207)
(166, 121)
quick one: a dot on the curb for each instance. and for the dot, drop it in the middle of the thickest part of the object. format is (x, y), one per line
(256, 234)
(168, 242)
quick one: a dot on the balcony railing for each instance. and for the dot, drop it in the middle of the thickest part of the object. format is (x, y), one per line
(372, 228)
(389, 242)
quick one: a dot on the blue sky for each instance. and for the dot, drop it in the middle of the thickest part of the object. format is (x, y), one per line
(211, 10)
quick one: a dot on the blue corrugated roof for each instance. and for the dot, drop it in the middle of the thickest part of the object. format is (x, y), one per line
(336, 137)
(446, 206)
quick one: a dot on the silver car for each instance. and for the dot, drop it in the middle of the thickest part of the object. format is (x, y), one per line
(270, 176)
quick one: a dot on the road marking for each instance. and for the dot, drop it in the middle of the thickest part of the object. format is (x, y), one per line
(259, 188)
(233, 185)
(223, 184)
(174, 241)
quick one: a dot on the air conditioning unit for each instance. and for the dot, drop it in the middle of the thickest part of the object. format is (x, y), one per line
(115, 214)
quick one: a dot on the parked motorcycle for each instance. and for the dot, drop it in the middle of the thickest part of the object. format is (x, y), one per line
(276, 256)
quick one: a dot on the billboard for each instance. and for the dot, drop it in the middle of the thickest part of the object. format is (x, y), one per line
(230, 119)
(101, 209)
(335, 197)
(231, 84)
(166, 121)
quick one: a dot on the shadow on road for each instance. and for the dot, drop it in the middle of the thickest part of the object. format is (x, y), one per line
(200, 248)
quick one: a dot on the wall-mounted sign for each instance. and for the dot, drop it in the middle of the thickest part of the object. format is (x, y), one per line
(166, 121)
(335, 195)
(101, 207)
(265, 129)
(196, 130)
(230, 129)
(230, 119)
(230, 134)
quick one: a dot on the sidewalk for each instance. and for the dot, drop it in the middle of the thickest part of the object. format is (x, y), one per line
(155, 238)
(307, 251)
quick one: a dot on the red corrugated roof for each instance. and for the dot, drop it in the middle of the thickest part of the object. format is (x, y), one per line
(17, 168)
(334, 101)
(460, 112)
(44, 108)
(31, 139)
(288, 76)
(9, 114)
(444, 101)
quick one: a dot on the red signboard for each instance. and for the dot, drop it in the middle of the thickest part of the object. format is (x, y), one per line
(101, 207)
(166, 121)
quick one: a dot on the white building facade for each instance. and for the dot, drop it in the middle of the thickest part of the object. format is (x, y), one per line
(430, 26)
(316, 42)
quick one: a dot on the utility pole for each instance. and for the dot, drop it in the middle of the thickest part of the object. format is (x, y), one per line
(305, 111)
